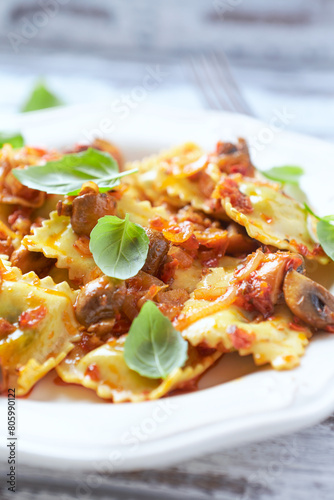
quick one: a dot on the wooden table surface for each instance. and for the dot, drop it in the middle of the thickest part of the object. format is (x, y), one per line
(299, 466)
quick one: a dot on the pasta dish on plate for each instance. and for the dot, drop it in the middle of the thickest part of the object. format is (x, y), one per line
(133, 279)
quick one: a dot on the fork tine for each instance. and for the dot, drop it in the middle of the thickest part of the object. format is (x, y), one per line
(217, 84)
(211, 74)
(230, 84)
(205, 89)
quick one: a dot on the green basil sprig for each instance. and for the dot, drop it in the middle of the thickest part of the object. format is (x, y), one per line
(288, 173)
(153, 347)
(119, 247)
(41, 98)
(66, 175)
(16, 140)
(325, 231)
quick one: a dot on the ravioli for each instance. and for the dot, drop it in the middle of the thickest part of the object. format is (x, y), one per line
(57, 240)
(12, 192)
(200, 207)
(105, 371)
(140, 212)
(276, 219)
(165, 176)
(272, 340)
(40, 325)
(187, 279)
(269, 341)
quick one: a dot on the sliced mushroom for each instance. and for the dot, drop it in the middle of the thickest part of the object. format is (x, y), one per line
(238, 241)
(233, 158)
(99, 300)
(88, 208)
(272, 273)
(31, 261)
(308, 300)
(157, 252)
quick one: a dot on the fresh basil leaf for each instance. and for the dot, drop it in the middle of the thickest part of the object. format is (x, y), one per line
(328, 218)
(325, 232)
(41, 98)
(287, 173)
(153, 348)
(119, 247)
(16, 140)
(66, 175)
(310, 211)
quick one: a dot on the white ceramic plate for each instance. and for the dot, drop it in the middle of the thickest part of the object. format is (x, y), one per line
(69, 427)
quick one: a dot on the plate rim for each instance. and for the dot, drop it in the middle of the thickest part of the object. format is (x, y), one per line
(305, 414)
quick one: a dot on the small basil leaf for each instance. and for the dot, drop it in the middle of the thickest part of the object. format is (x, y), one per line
(66, 175)
(325, 231)
(119, 247)
(41, 98)
(153, 348)
(328, 218)
(310, 211)
(16, 140)
(287, 173)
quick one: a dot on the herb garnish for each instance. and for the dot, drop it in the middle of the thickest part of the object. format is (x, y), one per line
(153, 347)
(16, 140)
(288, 173)
(41, 98)
(66, 175)
(119, 247)
(325, 231)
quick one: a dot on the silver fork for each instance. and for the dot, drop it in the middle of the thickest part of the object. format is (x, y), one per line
(216, 82)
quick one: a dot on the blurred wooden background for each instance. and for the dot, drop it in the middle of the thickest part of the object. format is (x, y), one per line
(281, 53)
(250, 31)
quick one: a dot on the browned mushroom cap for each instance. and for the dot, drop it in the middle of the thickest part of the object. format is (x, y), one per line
(98, 300)
(308, 300)
(238, 240)
(31, 261)
(88, 208)
(157, 251)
